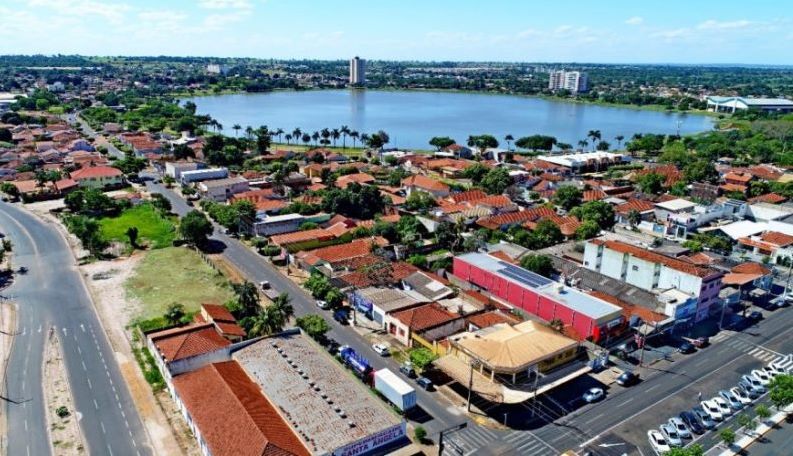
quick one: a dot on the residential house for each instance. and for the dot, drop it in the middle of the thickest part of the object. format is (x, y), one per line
(426, 323)
(101, 177)
(417, 182)
(221, 190)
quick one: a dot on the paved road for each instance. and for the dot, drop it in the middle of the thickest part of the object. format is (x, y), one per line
(256, 269)
(777, 442)
(75, 119)
(52, 295)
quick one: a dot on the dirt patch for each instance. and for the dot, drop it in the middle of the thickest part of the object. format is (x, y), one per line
(65, 435)
(226, 268)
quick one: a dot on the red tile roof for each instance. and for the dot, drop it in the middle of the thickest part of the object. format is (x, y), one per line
(635, 204)
(771, 198)
(765, 172)
(594, 195)
(738, 177)
(301, 236)
(360, 178)
(515, 218)
(461, 197)
(233, 416)
(179, 343)
(751, 268)
(777, 238)
(654, 257)
(424, 182)
(488, 319)
(254, 195)
(425, 317)
(493, 201)
(267, 205)
(337, 253)
(671, 174)
(733, 188)
(396, 273)
(218, 313)
(95, 172)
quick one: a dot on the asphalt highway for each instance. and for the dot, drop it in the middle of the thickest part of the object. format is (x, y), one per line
(51, 296)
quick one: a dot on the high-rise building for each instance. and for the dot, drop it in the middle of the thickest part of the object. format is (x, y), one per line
(357, 70)
(574, 81)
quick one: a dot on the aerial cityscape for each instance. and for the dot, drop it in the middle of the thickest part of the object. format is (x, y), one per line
(267, 228)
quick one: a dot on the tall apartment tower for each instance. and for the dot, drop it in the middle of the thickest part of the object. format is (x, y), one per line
(357, 70)
(574, 81)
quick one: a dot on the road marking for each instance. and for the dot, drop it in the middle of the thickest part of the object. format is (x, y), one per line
(753, 352)
(110, 451)
(96, 404)
(83, 363)
(79, 351)
(652, 387)
(595, 418)
(102, 425)
(626, 401)
(26, 425)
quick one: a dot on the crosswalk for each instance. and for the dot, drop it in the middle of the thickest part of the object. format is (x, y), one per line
(471, 440)
(763, 354)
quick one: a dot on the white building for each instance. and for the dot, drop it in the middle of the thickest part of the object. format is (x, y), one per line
(221, 190)
(198, 175)
(732, 104)
(574, 81)
(586, 161)
(357, 70)
(216, 68)
(655, 272)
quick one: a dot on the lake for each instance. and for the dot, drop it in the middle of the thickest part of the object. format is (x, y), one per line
(411, 118)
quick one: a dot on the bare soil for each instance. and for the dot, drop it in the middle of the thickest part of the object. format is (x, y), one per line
(65, 435)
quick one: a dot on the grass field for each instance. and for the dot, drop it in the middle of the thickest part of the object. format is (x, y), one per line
(153, 229)
(175, 275)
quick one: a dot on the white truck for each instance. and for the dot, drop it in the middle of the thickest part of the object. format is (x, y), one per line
(399, 393)
(268, 290)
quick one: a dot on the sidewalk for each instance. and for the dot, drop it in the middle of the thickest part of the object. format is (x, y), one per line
(742, 443)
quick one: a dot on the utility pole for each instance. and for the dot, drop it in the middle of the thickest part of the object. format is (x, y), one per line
(470, 384)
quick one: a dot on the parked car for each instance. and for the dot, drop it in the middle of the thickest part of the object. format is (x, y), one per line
(784, 365)
(594, 395)
(407, 369)
(680, 427)
(425, 383)
(756, 315)
(692, 422)
(332, 347)
(671, 435)
(731, 399)
(712, 410)
(752, 384)
(761, 375)
(658, 442)
(322, 304)
(627, 378)
(342, 316)
(381, 349)
(704, 418)
(741, 395)
(686, 348)
(723, 406)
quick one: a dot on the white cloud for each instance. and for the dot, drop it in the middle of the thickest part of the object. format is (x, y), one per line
(218, 21)
(672, 34)
(727, 25)
(113, 12)
(225, 4)
(635, 20)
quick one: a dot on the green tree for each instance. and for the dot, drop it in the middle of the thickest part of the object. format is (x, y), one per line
(195, 228)
(247, 298)
(781, 390)
(334, 298)
(651, 183)
(476, 172)
(727, 437)
(482, 142)
(747, 423)
(587, 230)
(763, 412)
(541, 264)
(676, 153)
(419, 201)
(692, 450)
(634, 217)
(88, 231)
(701, 171)
(441, 142)
(420, 434)
(174, 313)
(599, 212)
(567, 197)
(422, 357)
(10, 189)
(536, 142)
(496, 181)
(314, 325)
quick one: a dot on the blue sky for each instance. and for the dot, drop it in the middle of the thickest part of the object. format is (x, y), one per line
(643, 31)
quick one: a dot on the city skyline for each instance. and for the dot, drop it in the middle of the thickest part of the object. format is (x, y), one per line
(620, 32)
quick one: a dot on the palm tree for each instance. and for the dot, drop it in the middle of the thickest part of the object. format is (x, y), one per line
(509, 138)
(306, 138)
(325, 133)
(315, 137)
(237, 129)
(288, 137)
(354, 135)
(583, 143)
(278, 132)
(619, 139)
(345, 130)
(249, 132)
(297, 133)
(595, 135)
(262, 324)
(335, 134)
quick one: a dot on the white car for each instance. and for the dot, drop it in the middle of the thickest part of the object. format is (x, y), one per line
(680, 427)
(723, 406)
(658, 442)
(322, 304)
(732, 401)
(774, 370)
(381, 349)
(741, 395)
(671, 435)
(764, 378)
(755, 383)
(712, 410)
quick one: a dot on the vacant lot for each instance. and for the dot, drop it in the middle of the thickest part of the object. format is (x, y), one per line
(175, 275)
(153, 229)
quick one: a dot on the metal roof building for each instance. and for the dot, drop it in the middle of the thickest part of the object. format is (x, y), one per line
(587, 315)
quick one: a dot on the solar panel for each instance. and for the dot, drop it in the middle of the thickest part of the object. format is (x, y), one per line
(523, 276)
